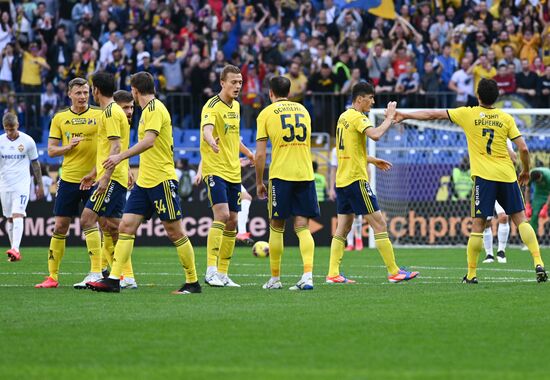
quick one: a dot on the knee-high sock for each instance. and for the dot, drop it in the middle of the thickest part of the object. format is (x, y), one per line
(307, 247)
(529, 238)
(107, 250)
(9, 230)
(213, 244)
(226, 251)
(488, 240)
(55, 254)
(336, 253)
(17, 233)
(350, 237)
(123, 251)
(186, 255)
(503, 233)
(385, 248)
(475, 243)
(242, 217)
(276, 245)
(93, 243)
(357, 226)
(128, 269)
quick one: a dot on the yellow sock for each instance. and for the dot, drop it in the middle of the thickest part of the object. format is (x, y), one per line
(107, 250)
(307, 247)
(123, 250)
(127, 269)
(93, 243)
(55, 254)
(213, 243)
(529, 238)
(227, 247)
(275, 250)
(187, 259)
(475, 243)
(336, 253)
(385, 248)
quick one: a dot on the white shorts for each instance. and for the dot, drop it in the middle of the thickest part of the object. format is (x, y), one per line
(14, 202)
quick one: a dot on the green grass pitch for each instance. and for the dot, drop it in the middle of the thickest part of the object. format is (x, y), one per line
(430, 328)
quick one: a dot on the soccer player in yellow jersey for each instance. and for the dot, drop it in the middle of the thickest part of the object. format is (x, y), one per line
(221, 171)
(73, 136)
(108, 198)
(155, 189)
(291, 180)
(353, 193)
(495, 179)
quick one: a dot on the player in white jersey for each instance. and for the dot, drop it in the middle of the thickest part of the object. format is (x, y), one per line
(355, 235)
(17, 152)
(503, 230)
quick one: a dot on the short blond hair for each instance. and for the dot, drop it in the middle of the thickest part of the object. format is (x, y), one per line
(10, 119)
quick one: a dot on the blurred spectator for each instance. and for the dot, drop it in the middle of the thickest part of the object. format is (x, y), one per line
(429, 86)
(461, 181)
(462, 82)
(510, 58)
(298, 82)
(526, 82)
(441, 29)
(6, 75)
(378, 62)
(544, 88)
(6, 30)
(349, 20)
(506, 81)
(49, 101)
(251, 98)
(59, 52)
(341, 69)
(408, 84)
(482, 69)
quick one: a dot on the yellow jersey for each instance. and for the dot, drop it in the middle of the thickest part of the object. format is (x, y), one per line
(30, 74)
(67, 124)
(226, 121)
(486, 131)
(156, 165)
(482, 73)
(114, 125)
(351, 147)
(288, 125)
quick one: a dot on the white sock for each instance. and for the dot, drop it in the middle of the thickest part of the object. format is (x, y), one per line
(17, 232)
(488, 241)
(276, 278)
(350, 238)
(503, 233)
(210, 270)
(9, 230)
(307, 276)
(357, 226)
(242, 217)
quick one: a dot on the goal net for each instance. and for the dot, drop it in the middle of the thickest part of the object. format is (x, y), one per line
(417, 195)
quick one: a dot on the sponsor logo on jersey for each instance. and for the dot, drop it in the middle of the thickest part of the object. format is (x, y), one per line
(79, 121)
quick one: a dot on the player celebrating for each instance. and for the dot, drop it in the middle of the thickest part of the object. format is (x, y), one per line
(76, 129)
(17, 152)
(353, 193)
(221, 172)
(155, 189)
(108, 198)
(487, 129)
(291, 180)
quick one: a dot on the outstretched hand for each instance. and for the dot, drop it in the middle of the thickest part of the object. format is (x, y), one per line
(382, 164)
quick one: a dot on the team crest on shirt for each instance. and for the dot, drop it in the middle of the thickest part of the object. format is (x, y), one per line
(21, 148)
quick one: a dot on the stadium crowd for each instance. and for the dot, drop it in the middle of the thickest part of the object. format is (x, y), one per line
(431, 54)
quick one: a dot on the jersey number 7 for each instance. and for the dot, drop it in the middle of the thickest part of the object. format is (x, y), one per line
(491, 133)
(297, 124)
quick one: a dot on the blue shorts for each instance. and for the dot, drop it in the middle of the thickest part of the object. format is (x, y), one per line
(111, 203)
(486, 192)
(292, 198)
(162, 199)
(356, 198)
(221, 191)
(68, 198)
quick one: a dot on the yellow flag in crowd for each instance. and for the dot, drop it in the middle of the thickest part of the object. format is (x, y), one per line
(385, 10)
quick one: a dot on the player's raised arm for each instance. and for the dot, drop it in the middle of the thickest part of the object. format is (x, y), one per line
(259, 159)
(376, 133)
(421, 115)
